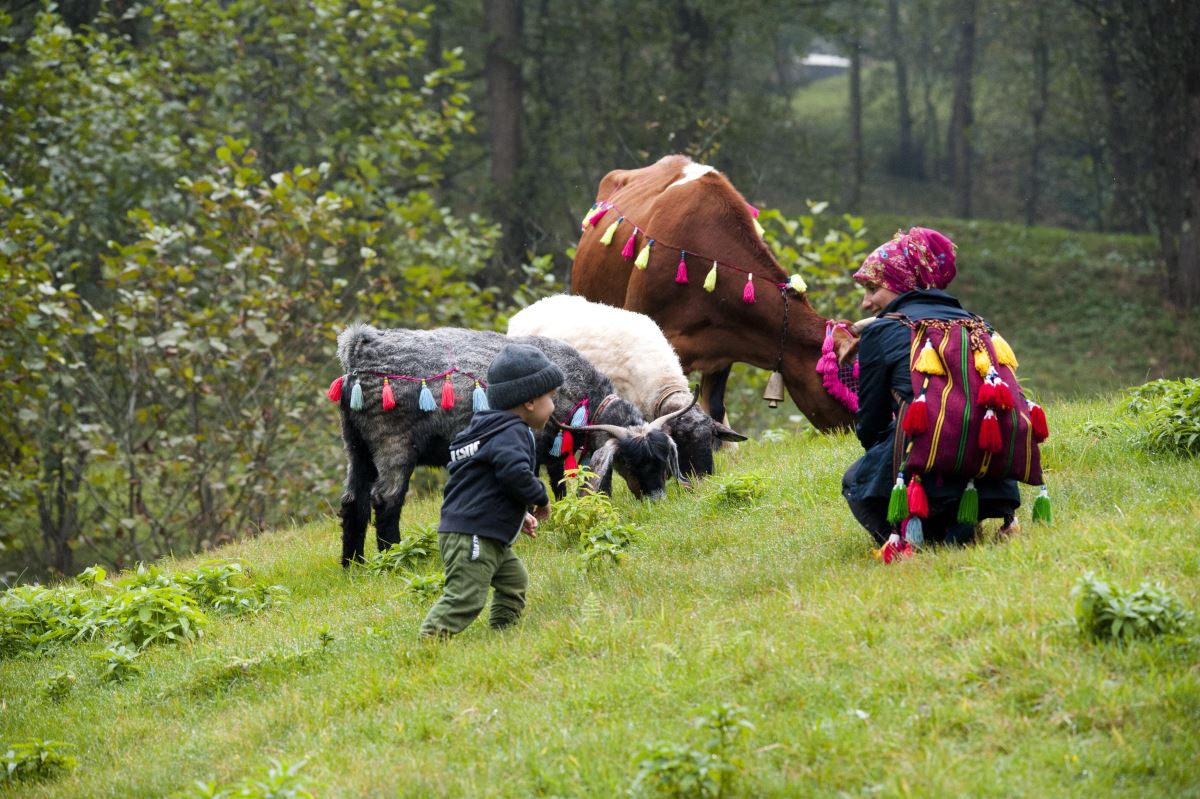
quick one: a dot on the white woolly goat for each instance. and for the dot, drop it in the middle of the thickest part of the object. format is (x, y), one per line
(631, 351)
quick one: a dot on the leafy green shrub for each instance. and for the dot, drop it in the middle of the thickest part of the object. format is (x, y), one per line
(118, 663)
(214, 585)
(221, 673)
(425, 586)
(145, 615)
(57, 686)
(704, 770)
(738, 490)
(281, 781)
(607, 544)
(1170, 415)
(419, 545)
(1109, 612)
(580, 511)
(35, 760)
(33, 618)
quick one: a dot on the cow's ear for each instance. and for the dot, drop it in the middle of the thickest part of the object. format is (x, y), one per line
(602, 464)
(726, 433)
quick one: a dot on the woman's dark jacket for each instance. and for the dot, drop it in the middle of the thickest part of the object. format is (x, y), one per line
(883, 354)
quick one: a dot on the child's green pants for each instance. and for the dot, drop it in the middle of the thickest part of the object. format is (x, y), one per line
(472, 563)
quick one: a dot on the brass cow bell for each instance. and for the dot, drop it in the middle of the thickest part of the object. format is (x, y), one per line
(773, 393)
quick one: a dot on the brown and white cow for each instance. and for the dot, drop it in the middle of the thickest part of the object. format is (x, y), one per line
(682, 205)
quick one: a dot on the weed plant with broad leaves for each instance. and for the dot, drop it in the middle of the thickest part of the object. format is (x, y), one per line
(1107, 612)
(35, 760)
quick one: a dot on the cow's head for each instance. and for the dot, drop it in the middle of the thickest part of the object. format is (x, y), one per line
(644, 454)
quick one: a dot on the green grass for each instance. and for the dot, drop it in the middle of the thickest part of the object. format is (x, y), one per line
(956, 674)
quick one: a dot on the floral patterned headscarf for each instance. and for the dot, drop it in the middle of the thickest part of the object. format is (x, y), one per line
(919, 259)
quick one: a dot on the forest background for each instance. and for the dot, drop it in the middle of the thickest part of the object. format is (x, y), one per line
(195, 197)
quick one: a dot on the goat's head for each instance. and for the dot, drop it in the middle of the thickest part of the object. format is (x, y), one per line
(697, 434)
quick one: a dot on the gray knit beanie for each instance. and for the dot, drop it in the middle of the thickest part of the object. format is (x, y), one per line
(519, 373)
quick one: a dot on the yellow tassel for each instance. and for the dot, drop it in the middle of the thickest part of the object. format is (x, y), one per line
(797, 284)
(1004, 353)
(608, 234)
(710, 282)
(983, 364)
(586, 217)
(928, 361)
(643, 258)
(758, 229)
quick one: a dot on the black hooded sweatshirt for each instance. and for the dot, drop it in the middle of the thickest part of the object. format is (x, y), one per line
(493, 478)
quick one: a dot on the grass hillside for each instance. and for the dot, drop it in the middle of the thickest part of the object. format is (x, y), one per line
(959, 673)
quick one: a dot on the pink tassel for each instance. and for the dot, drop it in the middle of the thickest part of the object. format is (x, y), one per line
(753, 210)
(627, 253)
(681, 272)
(388, 400)
(596, 217)
(827, 367)
(335, 389)
(447, 394)
(748, 292)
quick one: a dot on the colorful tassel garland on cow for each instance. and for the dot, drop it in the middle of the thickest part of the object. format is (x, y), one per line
(968, 506)
(479, 399)
(989, 433)
(607, 238)
(627, 252)
(681, 270)
(425, 399)
(643, 259)
(758, 228)
(928, 361)
(335, 389)
(748, 291)
(1037, 420)
(797, 284)
(914, 532)
(1041, 507)
(596, 217)
(447, 394)
(898, 502)
(583, 223)
(1004, 353)
(983, 364)
(918, 502)
(387, 399)
(356, 397)
(710, 281)
(916, 418)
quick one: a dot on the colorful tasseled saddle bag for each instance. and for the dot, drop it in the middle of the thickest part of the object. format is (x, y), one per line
(968, 418)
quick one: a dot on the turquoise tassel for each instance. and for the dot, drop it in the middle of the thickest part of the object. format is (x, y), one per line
(579, 418)
(425, 401)
(898, 502)
(968, 506)
(356, 397)
(556, 447)
(479, 399)
(914, 532)
(1041, 507)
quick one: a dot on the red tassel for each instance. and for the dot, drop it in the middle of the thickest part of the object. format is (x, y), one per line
(1003, 399)
(681, 272)
(335, 389)
(570, 466)
(388, 400)
(916, 418)
(989, 433)
(918, 503)
(748, 292)
(890, 552)
(627, 253)
(1037, 419)
(447, 394)
(987, 394)
(596, 217)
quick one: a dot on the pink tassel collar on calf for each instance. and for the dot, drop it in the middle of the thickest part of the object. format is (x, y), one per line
(831, 372)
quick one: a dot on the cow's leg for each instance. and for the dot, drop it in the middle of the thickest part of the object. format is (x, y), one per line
(395, 461)
(356, 499)
(712, 393)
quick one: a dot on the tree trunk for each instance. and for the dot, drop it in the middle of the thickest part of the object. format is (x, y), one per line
(854, 178)
(1187, 294)
(962, 116)
(1125, 215)
(502, 70)
(905, 161)
(1041, 98)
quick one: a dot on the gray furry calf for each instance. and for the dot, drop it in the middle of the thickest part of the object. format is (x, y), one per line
(384, 446)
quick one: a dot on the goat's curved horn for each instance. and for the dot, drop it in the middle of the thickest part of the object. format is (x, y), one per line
(617, 432)
(658, 423)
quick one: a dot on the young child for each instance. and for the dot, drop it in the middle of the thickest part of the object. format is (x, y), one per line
(493, 483)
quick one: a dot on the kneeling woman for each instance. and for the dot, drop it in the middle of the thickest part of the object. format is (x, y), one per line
(907, 276)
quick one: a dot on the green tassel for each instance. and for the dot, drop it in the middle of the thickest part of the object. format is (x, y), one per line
(898, 502)
(643, 259)
(710, 282)
(968, 506)
(1041, 507)
(608, 234)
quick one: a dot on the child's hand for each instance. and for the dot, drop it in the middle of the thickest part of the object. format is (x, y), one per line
(529, 526)
(541, 512)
